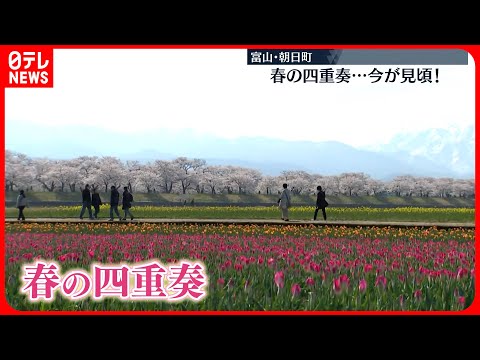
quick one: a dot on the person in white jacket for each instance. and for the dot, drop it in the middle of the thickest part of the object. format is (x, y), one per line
(285, 202)
(21, 204)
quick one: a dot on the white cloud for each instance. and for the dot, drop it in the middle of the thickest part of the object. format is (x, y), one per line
(214, 91)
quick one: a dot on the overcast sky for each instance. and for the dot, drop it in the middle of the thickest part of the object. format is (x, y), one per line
(214, 91)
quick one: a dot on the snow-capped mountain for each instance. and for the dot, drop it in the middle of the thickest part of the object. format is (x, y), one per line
(452, 148)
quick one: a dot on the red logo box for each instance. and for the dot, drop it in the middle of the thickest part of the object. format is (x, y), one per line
(26, 67)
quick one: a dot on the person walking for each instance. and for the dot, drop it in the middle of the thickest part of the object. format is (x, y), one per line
(96, 202)
(86, 203)
(21, 204)
(114, 200)
(321, 203)
(284, 202)
(127, 199)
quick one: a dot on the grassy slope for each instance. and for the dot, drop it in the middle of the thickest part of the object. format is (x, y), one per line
(259, 199)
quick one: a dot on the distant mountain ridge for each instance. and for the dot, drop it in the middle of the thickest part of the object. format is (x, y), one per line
(453, 148)
(436, 152)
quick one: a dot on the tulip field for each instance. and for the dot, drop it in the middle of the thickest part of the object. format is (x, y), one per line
(238, 267)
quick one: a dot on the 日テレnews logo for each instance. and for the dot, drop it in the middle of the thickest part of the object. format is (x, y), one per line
(29, 68)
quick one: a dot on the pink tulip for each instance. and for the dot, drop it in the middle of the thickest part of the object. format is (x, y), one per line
(279, 279)
(221, 281)
(337, 286)
(417, 294)
(310, 281)
(344, 281)
(381, 281)
(461, 300)
(296, 290)
(462, 272)
(367, 268)
(362, 286)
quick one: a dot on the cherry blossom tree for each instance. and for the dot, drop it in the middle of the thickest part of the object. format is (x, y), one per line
(65, 173)
(188, 172)
(111, 172)
(18, 171)
(245, 179)
(184, 175)
(147, 178)
(267, 184)
(165, 175)
(44, 173)
(212, 178)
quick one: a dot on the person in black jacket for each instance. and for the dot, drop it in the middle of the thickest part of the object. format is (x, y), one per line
(127, 203)
(21, 204)
(96, 202)
(114, 201)
(320, 204)
(86, 203)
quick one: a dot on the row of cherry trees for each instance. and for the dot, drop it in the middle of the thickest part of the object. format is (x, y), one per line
(185, 176)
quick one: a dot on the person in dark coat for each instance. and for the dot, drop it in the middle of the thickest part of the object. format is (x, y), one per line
(21, 204)
(96, 202)
(86, 203)
(127, 199)
(114, 201)
(320, 204)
